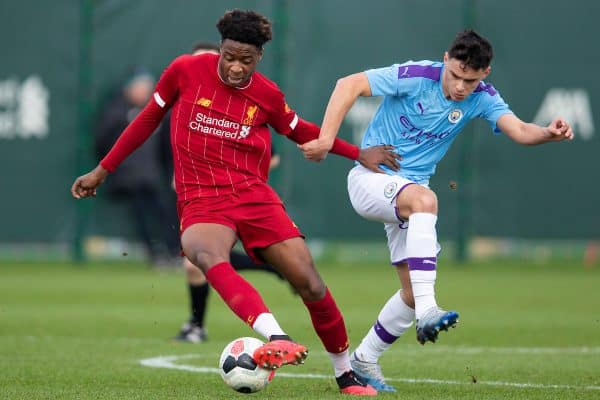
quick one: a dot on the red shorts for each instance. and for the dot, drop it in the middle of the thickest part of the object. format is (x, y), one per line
(256, 214)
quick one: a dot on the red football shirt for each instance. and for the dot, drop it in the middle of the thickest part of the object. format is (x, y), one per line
(219, 134)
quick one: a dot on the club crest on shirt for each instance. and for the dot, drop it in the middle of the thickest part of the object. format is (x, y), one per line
(204, 102)
(390, 189)
(250, 113)
(455, 115)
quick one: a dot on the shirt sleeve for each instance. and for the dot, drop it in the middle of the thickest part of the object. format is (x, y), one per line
(134, 135)
(385, 82)
(494, 107)
(167, 88)
(283, 118)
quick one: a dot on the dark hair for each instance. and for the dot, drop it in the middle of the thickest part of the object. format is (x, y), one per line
(246, 27)
(205, 46)
(472, 49)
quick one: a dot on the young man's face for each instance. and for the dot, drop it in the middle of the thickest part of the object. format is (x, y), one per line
(237, 62)
(459, 81)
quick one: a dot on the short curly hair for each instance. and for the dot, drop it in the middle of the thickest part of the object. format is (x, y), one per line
(472, 49)
(245, 26)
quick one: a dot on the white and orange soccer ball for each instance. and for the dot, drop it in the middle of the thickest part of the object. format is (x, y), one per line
(238, 369)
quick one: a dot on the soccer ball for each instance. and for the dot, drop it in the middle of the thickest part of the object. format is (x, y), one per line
(238, 369)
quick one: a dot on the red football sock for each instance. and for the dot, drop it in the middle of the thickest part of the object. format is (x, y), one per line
(238, 293)
(328, 323)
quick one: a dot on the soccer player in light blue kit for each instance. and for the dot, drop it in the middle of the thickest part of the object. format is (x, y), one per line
(426, 104)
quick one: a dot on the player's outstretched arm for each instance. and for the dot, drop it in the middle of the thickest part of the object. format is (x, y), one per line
(132, 137)
(371, 158)
(346, 91)
(86, 185)
(530, 134)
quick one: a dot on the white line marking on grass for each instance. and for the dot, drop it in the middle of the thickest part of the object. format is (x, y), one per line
(509, 350)
(170, 363)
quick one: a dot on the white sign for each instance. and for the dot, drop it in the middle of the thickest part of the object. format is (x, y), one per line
(24, 108)
(571, 104)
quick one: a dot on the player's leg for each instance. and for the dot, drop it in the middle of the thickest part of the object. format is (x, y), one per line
(207, 245)
(268, 234)
(419, 205)
(242, 262)
(198, 289)
(194, 330)
(292, 258)
(375, 197)
(394, 319)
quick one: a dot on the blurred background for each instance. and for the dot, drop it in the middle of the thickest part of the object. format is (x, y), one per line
(63, 60)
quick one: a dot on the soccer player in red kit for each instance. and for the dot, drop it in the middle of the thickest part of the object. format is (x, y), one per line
(221, 149)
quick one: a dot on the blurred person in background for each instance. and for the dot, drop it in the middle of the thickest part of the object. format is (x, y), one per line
(426, 104)
(139, 182)
(221, 146)
(193, 330)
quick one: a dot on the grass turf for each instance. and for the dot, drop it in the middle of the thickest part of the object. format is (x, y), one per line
(526, 332)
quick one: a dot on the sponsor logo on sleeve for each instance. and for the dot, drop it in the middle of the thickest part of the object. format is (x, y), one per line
(405, 73)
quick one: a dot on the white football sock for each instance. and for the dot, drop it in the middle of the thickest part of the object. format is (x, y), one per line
(421, 242)
(267, 326)
(394, 318)
(341, 362)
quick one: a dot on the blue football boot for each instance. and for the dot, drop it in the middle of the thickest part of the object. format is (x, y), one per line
(434, 321)
(371, 374)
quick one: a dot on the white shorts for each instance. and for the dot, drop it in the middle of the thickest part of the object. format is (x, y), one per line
(373, 196)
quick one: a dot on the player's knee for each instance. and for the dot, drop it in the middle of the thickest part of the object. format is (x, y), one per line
(203, 259)
(311, 289)
(193, 273)
(426, 202)
(188, 265)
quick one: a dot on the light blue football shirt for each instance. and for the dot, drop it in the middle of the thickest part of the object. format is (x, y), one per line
(417, 119)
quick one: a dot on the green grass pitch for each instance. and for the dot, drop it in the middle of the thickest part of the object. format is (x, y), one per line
(90, 332)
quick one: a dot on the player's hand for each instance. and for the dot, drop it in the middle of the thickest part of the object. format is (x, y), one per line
(315, 150)
(85, 185)
(372, 157)
(559, 129)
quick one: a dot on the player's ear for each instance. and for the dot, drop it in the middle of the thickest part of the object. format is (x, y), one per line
(487, 71)
(260, 54)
